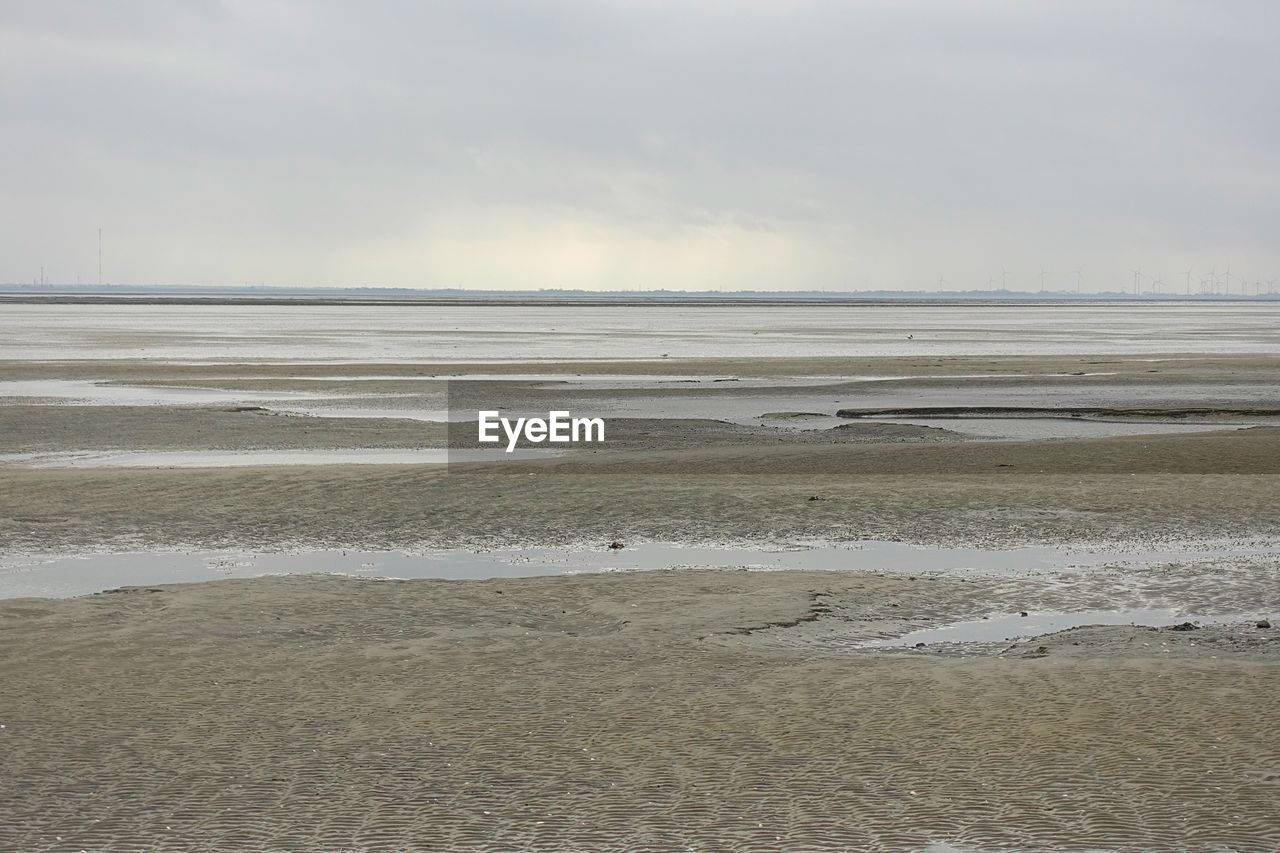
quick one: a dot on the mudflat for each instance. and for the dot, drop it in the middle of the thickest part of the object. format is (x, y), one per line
(641, 710)
(652, 710)
(675, 478)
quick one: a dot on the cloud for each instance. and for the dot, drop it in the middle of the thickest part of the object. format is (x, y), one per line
(761, 143)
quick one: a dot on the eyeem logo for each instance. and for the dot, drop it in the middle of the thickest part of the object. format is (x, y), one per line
(558, 428)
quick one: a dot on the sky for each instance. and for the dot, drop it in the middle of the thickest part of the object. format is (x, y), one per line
(646, 144)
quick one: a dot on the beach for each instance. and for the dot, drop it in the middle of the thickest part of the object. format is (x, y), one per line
(681, 707)
(651, 710)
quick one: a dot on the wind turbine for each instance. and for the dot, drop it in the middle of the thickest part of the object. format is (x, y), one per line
(1226, 281)
(1004, 279)
(1187, 273)
(1137, 281)
(1079, 272)
(1157, 284)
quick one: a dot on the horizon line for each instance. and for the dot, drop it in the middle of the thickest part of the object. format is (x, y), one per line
(94, 292)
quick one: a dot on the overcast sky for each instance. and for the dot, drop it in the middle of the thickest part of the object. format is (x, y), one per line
(763, 144)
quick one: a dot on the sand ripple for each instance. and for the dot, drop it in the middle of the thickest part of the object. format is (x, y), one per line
(584, 713)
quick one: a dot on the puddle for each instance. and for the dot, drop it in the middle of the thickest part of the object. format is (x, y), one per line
(247, 458)
(1025, 429)
(999, 629)
(81, 575)
(376, 413)
(593, 380)
(752, 404)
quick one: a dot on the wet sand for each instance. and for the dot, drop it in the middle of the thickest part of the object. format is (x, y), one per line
(655, 710)
(655, 478)
(1207, 485)
(650, 711)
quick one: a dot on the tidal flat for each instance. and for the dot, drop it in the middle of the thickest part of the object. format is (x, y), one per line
(663, 687)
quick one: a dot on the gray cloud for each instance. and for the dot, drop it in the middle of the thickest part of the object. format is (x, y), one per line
(756, 143)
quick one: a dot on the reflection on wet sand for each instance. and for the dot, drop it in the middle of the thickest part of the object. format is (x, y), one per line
(709, 683)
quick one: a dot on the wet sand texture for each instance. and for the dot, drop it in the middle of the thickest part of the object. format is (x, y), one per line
(644, 711)
(1134, 488)
(657, 479)
(586, 713)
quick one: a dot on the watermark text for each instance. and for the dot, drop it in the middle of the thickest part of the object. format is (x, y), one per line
(558, 428)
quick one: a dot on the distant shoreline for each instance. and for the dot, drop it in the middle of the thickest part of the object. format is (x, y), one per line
(601, 300)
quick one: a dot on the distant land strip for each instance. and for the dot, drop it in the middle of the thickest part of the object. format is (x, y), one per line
(516, 298)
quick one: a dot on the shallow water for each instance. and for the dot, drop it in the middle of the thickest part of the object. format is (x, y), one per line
(85, 574)
(736, 400)
(1012, 627)
(1030, 429)
(457, 333)
(84, 392)
(750, 409)
(247, 458)
(328, 410)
